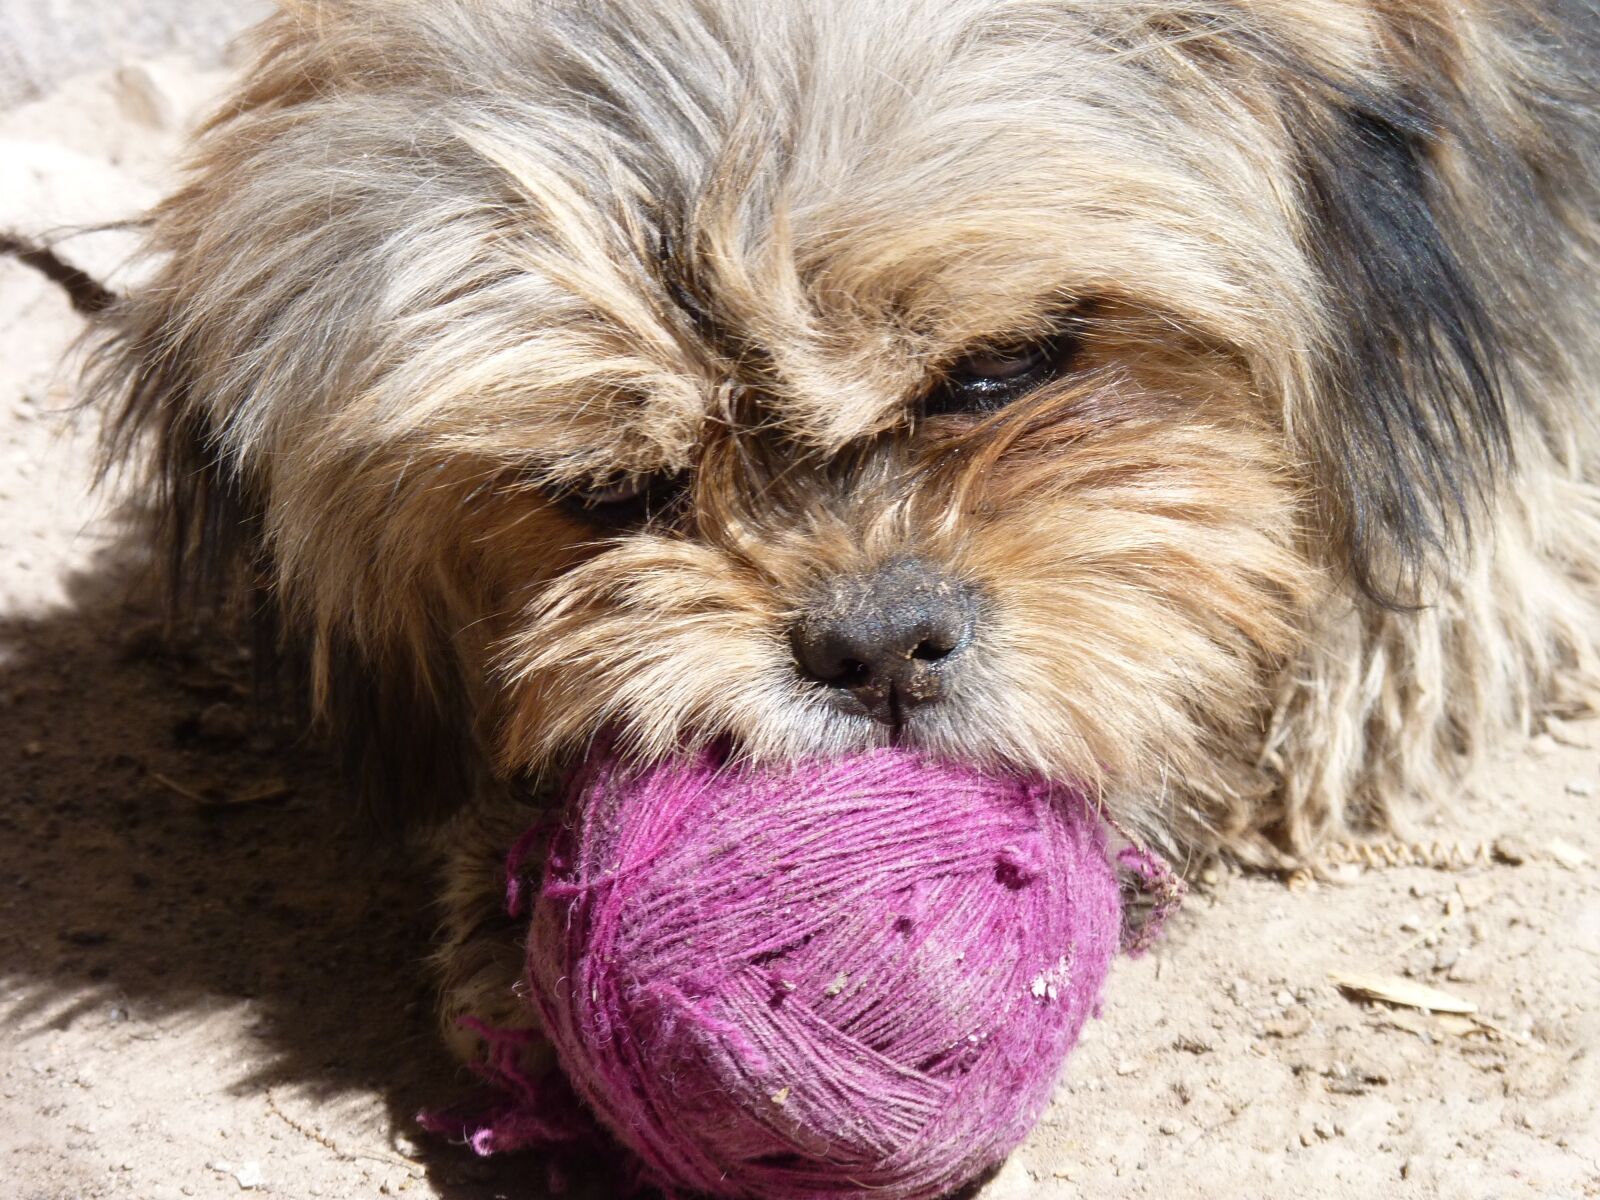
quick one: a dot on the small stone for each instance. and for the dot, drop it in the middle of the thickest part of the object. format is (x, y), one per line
(1580, 787)
(1170, 1127)
(33, 749)
(1294, 1022)
(223, 724)
(1512, 850)
(1568, 855)
(141, 97)
(1013, 1182)
(1284, 998)
(248, 1176)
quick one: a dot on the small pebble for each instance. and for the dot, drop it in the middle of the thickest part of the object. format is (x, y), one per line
(142, 98)
(224, 724)
(1580, 787)
(1170, 1127)
(1511, 850)
(1568, 855)
(1293, 1023)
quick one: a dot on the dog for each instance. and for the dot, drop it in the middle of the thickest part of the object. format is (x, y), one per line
(1188, 399)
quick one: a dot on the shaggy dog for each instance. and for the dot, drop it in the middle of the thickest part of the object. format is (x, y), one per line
(1189, 399)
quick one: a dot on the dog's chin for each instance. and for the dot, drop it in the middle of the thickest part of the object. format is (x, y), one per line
(843, 735)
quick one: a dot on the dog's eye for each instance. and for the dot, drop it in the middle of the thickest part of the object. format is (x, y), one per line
(991, 378)
(626, 499)
(1000, 366)
(618, 491)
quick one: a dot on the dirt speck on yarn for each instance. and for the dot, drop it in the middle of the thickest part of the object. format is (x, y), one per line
(837, 985)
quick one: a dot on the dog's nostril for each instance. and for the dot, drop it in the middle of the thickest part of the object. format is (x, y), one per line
(933, 651)
(852, 673)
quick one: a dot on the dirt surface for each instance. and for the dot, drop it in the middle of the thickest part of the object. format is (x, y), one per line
(204, 991)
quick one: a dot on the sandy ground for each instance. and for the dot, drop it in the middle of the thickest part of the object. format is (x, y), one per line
(203, 992)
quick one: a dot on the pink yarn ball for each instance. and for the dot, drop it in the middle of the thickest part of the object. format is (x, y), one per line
(860, 976)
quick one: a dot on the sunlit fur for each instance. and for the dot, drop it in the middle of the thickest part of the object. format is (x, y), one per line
(1309, 522)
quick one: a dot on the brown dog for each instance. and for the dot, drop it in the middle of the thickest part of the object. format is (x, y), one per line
(1188, 399)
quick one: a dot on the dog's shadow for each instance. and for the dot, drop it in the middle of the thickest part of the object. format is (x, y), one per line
(167, 848)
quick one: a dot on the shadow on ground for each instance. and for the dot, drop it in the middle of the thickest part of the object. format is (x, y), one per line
(167, 849)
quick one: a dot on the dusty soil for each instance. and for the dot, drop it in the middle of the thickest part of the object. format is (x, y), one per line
(204, 991)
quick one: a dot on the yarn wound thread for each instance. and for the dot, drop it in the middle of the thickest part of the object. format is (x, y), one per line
(857, 976)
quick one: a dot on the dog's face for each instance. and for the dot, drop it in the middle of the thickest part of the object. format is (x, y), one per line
(972, 375)
(914, 401)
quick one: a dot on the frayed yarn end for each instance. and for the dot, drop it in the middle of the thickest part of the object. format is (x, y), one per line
(519, 1110)
(1158, 883)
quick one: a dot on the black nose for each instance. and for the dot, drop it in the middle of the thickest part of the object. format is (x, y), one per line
(885, 641)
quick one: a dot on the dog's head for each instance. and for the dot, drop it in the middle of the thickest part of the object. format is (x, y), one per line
(999, 378)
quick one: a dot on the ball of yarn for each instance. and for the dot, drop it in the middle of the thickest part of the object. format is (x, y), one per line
(860, 976)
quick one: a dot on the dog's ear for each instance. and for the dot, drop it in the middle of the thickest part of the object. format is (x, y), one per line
(1410, 428)
(1447, 185)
